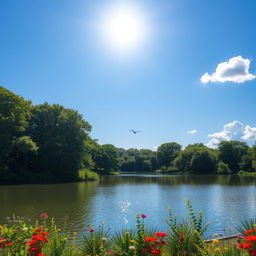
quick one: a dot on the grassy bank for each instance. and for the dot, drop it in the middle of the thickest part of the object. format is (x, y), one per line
(184, 238)
(243, 173)
(87, 175)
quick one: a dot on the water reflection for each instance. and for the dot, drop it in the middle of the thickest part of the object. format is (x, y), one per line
(115, 200)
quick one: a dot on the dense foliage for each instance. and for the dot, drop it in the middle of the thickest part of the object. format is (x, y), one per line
(51, 143)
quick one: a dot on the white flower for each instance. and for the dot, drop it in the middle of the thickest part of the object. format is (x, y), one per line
(132, 247)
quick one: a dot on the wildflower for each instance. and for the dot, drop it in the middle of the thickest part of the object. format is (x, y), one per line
(239, 237)
(155, 251)
(215, 234)
(91, 230)
(163, 243)
(144, 250)
(250, 238)
(44, 215)
(240, 245)
(248, 231)
(127, 233)
(247, 245)
(182, 235)
(132, 247)
(215, 241)
(150, 239)
(217, 249)
(58, 229)
(25, 229)
(132, 241)
(109, 252)
(104, 239)
(225, 248)
(143, 216)
(8, 243)
(160, 234)
(74, 234)
(44, 233)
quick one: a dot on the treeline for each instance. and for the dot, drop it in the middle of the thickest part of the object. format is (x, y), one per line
(51, 143)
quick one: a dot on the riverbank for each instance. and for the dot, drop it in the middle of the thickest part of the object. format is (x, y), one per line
(45, 238)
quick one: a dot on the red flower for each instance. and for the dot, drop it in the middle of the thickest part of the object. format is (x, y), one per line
(143, 216)
(155, 251)
(160, 234)
(44, 233)
(8, 243)
(252, 252)
(247, 245)
(31, 243)
(38, 238)
(163, 243)
(240, 245)
(182, 235)
(44, 215)
(248, 231)
(40, 254)
(250, 238)
(144, 250)
(38, 230)
(150, 239)
(91, 230)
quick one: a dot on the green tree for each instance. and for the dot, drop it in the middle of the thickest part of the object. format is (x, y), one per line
(14, 118)
(61, 136)
(196, 158)
(232, 153)
(167, 152)
(106, 158)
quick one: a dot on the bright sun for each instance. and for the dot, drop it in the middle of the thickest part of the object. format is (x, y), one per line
(124, 28)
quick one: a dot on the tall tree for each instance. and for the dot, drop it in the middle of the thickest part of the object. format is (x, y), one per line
(167, 152)
(60, 134)
(232, 153)
(14, 117)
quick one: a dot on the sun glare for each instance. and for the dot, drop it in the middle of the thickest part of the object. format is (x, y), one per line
(124, 28)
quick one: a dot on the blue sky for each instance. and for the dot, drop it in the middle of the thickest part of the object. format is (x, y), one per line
(55, 51)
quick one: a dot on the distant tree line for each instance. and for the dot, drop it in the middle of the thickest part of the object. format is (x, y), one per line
(51, 143)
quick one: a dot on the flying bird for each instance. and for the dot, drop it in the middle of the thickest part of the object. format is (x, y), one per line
(134, 132)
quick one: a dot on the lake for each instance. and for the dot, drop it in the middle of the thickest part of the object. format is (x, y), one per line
(115, 200)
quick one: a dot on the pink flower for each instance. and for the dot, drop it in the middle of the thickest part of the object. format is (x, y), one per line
(44, 215)
(143, 216)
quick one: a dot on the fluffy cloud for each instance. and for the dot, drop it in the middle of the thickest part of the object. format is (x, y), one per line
(192, 131)
(249, 133)
(234, 70)
(232, 131)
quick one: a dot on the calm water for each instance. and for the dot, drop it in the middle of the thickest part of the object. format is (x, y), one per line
(115, 200)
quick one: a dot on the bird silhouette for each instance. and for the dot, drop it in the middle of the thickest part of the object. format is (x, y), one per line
(134, 132)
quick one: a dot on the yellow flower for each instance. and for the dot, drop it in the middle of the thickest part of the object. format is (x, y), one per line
(75, 234)
(127, 233)
(215, 234)
(225, 248)
(217, 249)
(58, 229)
(215, 241)
(132, 241)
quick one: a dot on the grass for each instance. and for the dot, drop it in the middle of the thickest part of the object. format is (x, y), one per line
(243, 173)
(88, 175)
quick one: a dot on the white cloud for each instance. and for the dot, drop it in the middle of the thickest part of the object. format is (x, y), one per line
(192, 131)
(231, 131)
(154, 148)
(234, 70)
(249, 133)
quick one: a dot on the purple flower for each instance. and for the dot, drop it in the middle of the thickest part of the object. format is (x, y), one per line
(143, 216)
